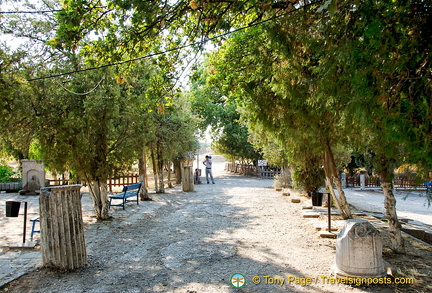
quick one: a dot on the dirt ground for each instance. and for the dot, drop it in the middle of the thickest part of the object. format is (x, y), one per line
(196, 241)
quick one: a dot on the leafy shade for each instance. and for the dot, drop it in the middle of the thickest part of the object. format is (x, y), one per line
(230, 137)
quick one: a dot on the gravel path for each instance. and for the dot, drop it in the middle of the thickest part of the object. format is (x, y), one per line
(196, 241)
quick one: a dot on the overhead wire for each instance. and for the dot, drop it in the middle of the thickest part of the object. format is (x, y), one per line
(201, 42)
(30, 12)
(80, 94)
(38, 11)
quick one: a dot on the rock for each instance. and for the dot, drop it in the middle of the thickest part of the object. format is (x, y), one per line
(309, 214)
(325, 234)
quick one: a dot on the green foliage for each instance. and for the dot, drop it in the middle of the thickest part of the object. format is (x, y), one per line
(35, 151)
(309, 180)
(6, 172)
(359, 161)
(306, 77)
(387, 71)
(216, 110)
(92, 135)
(129, 28)
(15, 125)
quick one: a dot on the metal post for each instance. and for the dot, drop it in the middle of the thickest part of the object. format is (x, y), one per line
(25, 221)
(329, 211)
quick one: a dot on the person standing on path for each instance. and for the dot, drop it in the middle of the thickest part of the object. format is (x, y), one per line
(208, 164)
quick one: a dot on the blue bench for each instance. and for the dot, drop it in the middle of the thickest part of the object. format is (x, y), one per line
(128, 192)
(428, 186)
(34, 221)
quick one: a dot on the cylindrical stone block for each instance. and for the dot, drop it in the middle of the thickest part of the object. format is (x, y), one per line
(62, 228)
(187, 175)
(359, 250)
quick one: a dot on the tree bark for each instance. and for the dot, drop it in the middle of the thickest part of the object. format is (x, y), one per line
(329, 185)
(341, 202)
(142, 172)
(155, 170)
(99, 195)
(177, 171)
(160, 165)
(395, 228)
(170, 185)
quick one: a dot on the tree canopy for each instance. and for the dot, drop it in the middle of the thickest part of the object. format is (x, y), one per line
(312, 78)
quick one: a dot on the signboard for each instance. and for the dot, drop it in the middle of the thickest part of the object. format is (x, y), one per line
(262, 163)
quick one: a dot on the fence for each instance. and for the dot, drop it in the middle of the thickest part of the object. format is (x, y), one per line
(268, 173)
(123, 179)
(403, 182)
(10, 187)
(57, 182)
(242, 169)
(374, 181)
(119, 180)
(354, 181)
(250, 170)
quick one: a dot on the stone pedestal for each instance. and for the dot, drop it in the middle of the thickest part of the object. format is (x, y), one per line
(187, 175)
(343, 180)
(62, 228)
(362, 181)
(359, 251)
(33, 176)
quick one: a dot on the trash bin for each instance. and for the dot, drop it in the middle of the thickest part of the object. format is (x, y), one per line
(317, 198)
(12, 208)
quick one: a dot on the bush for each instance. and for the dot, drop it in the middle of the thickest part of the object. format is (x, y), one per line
(283, 180)
(6, 173)
(309, 180)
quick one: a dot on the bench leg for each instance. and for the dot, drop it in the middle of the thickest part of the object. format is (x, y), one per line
(33, 229)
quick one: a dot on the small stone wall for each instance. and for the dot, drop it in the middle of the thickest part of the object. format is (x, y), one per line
(10, 187)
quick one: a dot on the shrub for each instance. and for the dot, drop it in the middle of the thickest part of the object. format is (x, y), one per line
(5, 173)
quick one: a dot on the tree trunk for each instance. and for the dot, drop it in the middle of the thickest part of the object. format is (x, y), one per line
(341, 203)
(142, 171)
(395, 228)
(155, 170)
(169, 174)
(329, 185)
(160, 164)
(177, 171)
(99, 195)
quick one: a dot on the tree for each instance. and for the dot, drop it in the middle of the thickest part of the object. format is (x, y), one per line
(30, 31)
(127, 29)
(229, 136)
(16, 123)
(270, 70)
(388, 66)
(172, 126)
(93, 123)
(93, 135)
